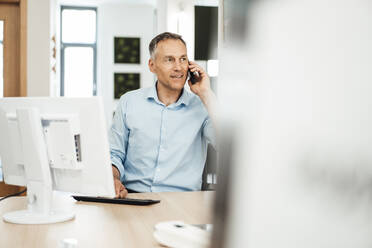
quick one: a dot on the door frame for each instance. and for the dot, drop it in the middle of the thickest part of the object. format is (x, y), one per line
(22, 70)
(22, 5)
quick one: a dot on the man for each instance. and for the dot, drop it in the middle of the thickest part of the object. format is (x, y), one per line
(159, 135)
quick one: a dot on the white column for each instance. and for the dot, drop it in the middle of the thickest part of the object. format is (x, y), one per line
(39, 26)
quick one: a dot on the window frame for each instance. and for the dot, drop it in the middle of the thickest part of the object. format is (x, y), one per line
(3, 22)
(1, 94)
(65, 45)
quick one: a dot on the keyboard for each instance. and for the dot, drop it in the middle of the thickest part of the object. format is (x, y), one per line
(128, 201)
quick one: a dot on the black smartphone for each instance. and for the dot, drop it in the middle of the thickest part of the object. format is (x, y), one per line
(193, 76)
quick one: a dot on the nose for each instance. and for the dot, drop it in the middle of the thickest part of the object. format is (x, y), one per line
(177, 66)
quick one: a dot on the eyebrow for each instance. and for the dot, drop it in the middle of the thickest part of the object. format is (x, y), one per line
(171, 56)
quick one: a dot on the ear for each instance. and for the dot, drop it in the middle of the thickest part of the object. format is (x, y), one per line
(152, 65)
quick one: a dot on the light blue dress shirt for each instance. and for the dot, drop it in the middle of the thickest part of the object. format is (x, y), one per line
(160, 148)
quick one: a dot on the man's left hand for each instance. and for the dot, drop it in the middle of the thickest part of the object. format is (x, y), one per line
(203, 86)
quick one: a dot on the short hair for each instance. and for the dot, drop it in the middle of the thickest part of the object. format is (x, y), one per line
(160, 37)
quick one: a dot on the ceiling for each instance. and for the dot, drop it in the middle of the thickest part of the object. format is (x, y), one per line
(137, 2)
(98, 2)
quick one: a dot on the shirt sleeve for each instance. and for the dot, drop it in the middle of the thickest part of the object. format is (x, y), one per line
(209, 132)
(118, 137)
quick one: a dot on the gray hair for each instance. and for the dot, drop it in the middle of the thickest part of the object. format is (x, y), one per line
(160, 37)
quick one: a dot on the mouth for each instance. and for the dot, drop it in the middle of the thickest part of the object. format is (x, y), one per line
(177, 76)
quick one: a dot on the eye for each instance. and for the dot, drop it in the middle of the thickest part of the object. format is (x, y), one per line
(183, 59)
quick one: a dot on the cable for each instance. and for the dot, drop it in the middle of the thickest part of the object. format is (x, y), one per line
(15, 194)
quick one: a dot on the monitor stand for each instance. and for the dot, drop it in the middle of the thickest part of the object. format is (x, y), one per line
(39, 208)
(38, 175)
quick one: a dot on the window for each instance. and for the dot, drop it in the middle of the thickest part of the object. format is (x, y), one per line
(78, 51)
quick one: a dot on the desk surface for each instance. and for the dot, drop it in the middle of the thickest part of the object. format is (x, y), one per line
(108, 225)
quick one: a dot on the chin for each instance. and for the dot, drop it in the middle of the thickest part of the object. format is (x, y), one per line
(177, 88)
(178, 85)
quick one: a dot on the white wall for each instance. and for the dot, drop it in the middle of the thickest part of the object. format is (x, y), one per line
(125, 20)
(40, 20)
(177, 16)
(114, 19)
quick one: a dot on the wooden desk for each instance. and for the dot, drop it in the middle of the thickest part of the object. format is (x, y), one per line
(108, 225)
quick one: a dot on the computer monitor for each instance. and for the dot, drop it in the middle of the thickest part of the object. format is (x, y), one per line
(54, 144)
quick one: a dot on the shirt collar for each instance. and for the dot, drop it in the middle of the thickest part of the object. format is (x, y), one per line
(184, 99)
(152, 94)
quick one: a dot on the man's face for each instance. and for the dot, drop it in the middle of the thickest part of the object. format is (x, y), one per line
(170, 64)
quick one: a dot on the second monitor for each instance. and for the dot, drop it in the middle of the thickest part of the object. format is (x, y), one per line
(54, 144)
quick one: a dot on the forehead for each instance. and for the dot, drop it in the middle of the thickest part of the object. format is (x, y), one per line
(171, 47)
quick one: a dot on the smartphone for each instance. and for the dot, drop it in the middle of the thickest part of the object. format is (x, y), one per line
(194, 77)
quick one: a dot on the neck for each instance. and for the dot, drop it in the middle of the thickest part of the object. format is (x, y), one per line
(167, 96)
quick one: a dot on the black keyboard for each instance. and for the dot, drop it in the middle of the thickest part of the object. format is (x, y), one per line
(129, 201)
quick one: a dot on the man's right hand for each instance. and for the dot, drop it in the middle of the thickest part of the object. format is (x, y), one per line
(120, 190)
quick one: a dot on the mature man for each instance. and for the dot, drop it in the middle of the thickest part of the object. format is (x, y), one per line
(159, 135)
